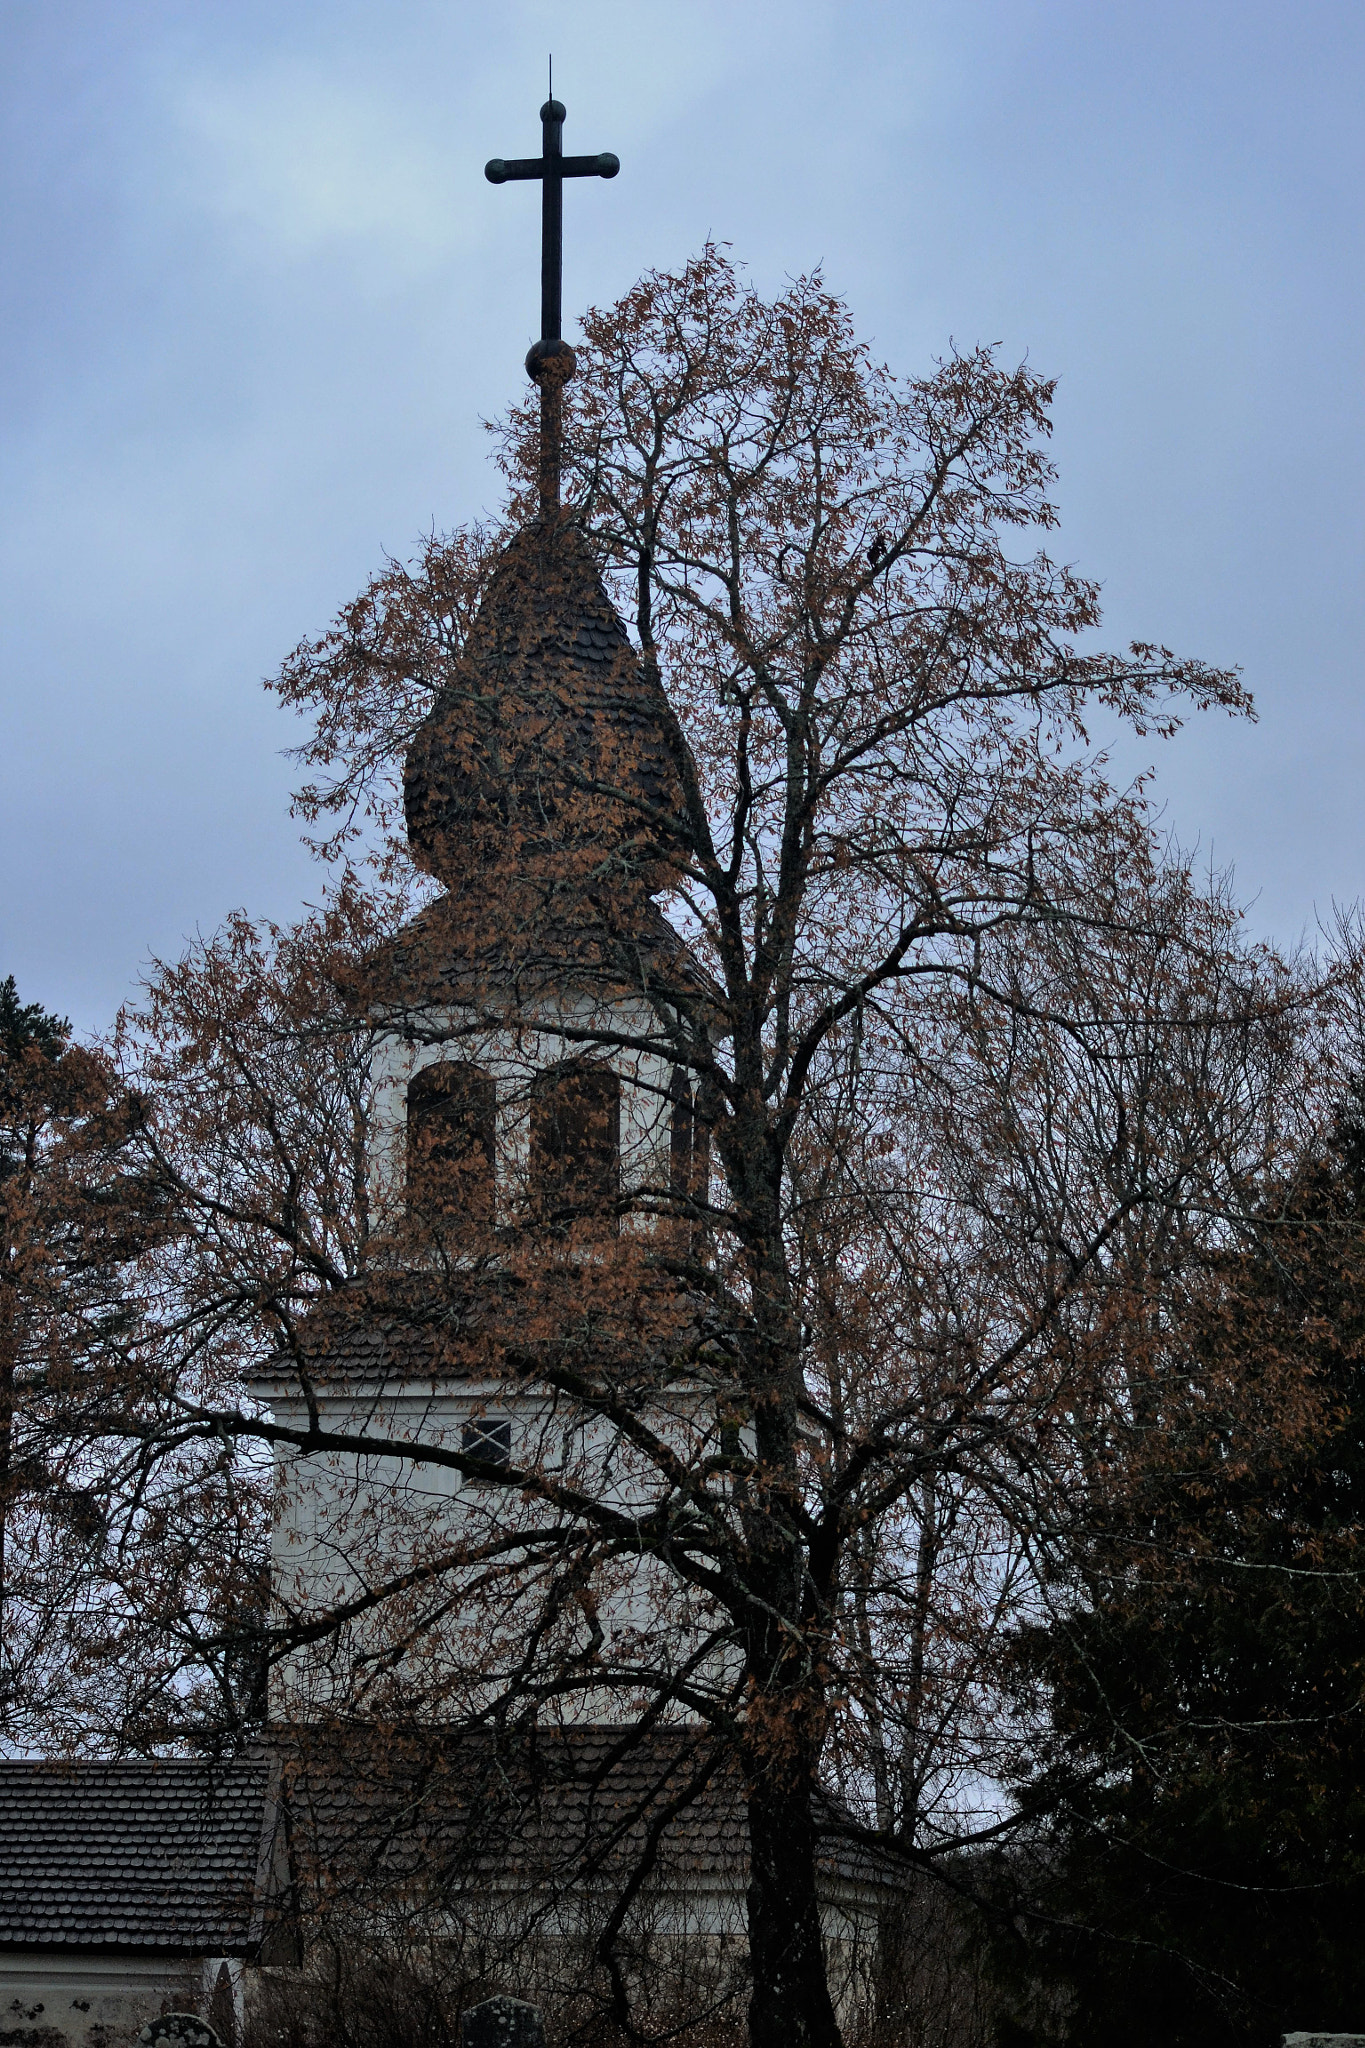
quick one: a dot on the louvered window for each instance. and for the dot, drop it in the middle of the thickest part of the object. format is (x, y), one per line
(451, 1114)
(576, 1144)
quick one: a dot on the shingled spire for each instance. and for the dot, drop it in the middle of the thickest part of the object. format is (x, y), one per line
(543, 788)
(551, 750)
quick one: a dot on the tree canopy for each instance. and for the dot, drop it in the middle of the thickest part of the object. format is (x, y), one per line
(983, 1073)
(1198, 1776)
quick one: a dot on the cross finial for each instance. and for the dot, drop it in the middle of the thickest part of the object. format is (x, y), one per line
(550, 361)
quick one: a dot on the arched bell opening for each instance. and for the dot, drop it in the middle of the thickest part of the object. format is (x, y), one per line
(575, 1154)
(452, 1117)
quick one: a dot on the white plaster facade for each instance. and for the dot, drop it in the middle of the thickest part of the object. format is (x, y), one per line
(512, 1058)
(100, 1999)
(343, 1521)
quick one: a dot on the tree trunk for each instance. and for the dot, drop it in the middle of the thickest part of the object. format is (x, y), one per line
(790, 2006)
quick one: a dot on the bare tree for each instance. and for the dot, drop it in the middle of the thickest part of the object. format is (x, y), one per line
(948, 1059)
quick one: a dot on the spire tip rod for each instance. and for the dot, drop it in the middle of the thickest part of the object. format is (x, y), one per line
(550, 362)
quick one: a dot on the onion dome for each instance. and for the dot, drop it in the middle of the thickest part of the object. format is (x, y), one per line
(551, 752)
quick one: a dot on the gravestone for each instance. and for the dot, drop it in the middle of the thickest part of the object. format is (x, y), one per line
(1323, 2040)
(178, 2030)
(502, 2023)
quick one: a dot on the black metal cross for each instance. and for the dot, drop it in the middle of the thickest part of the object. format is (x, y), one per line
(551, 352)
(551, 168)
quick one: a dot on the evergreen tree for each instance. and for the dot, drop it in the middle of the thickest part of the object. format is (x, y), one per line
(32, 1043)
(1199, 1866)
(71, 1216)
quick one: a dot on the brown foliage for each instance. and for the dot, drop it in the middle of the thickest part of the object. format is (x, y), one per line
(72, 1218)
(977, 1061)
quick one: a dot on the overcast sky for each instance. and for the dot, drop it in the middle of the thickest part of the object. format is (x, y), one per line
(258, 296)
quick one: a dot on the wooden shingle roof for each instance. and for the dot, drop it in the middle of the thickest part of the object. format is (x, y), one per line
(549, 734)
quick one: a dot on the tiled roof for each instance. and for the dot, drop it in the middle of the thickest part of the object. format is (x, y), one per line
(171, 1856)
(551, 1810)
(395, 1330)
(507, 944)
(177, 1857)
(413, 1328)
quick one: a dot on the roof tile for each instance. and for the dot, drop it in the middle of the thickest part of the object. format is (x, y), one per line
(147, 1854)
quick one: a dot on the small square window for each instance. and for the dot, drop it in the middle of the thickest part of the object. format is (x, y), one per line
(489, 1438)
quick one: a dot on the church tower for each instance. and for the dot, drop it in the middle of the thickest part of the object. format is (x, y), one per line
(534, 1151)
